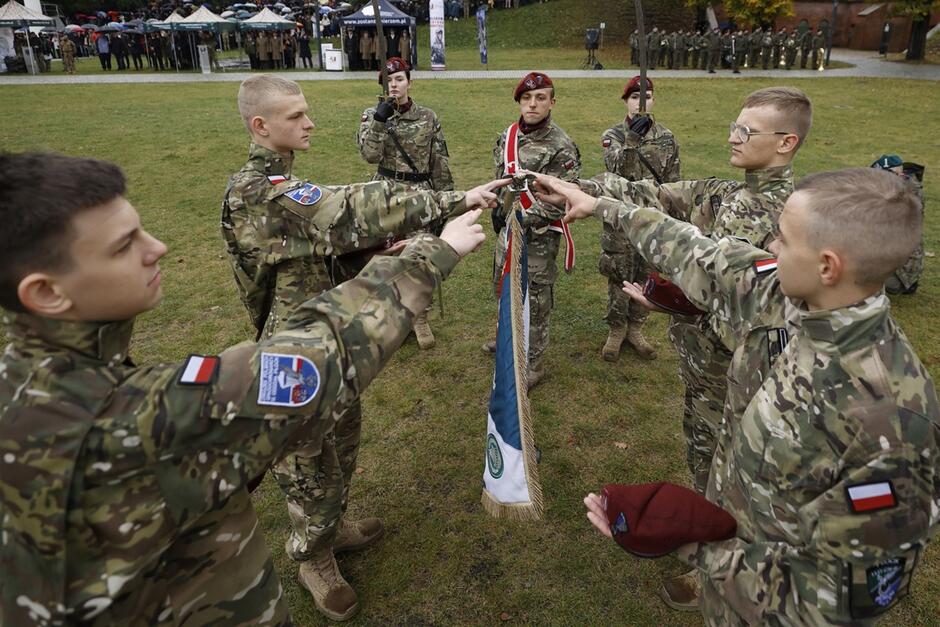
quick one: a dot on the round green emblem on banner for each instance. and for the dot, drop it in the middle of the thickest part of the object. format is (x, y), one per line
(494, 457)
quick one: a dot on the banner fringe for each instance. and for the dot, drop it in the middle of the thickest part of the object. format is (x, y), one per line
(522, 374)
(511, 511)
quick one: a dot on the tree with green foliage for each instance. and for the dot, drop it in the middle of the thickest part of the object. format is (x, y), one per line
(919, 11)
(754, 12)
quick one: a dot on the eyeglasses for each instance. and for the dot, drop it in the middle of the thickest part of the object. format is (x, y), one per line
(742, 133)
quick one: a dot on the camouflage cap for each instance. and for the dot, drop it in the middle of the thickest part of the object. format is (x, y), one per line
(530, 82)
(655, 519)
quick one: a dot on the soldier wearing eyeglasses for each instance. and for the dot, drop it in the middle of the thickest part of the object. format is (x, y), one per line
(764, 139)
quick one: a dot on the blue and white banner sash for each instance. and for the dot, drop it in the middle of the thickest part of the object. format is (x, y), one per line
(510, 477)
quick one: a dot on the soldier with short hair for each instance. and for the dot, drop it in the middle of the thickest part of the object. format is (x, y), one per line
(829, 458)
(405, 140)
(767, 48)
(634, 48)
(537, 144)
(124, 491)
(819, 50)
(639, 148)
(806, 46)
(771, 127)
(285, 237)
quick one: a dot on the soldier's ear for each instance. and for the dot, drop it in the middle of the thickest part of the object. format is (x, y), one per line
(788, 143)
(42, 295)
(831, 267)
(258, 126)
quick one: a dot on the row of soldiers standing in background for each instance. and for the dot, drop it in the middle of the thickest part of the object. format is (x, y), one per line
(732, 49)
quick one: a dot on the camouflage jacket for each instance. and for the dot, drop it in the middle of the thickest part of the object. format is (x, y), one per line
(623, 147)
(123, 488)
(718, 207)
(623, 150)
(829, 453)
(419, 132)
(279, 229)
(548, 150)
(913, 268)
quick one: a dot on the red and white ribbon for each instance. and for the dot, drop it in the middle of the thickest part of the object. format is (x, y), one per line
(511, 166)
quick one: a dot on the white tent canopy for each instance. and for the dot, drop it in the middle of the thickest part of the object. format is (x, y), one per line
(268, 19)
(15, 14)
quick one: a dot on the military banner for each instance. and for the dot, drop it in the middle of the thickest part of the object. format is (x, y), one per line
(510, 478)
(436, 12)
(481, 31)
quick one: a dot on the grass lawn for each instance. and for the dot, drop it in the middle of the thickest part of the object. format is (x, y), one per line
(444, 561)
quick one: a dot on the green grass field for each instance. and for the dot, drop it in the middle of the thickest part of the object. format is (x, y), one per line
(444, 561)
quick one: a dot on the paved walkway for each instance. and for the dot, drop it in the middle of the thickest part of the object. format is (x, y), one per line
(867, 64)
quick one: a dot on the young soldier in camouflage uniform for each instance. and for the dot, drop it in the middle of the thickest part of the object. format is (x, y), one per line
(905, 279)
(542, 147)
(829, 457)
(637, 149)
(123, 493)
(406, 141)
(764, 140)
(282, 234)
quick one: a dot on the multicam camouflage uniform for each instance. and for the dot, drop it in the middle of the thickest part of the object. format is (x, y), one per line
(719, 208)
(549, 150)
(123, 491)
(822, 407)
(282, 251)
(419, 132)
(618, 261)
(905, 279)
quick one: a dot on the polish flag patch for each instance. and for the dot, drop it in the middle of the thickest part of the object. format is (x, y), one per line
(869, 497)
(199, 370)
(277, 178)
(606, 143)
(765, 265)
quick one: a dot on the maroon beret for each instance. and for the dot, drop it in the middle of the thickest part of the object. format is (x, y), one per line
(654, 519)
(634, 85)
(396, 64)
(532, 80)
(668, 296)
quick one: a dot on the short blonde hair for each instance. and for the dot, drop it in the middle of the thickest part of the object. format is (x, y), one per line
(792, 105)
(256, 92)
(871, 216)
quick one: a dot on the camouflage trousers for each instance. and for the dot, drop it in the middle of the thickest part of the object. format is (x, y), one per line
(315, 479)
(703, 367)
(543, 252)
(619, 265)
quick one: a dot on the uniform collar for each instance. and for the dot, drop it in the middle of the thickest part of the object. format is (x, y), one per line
(107, 342)
(761, 180)
(535, 131)
(847, 328)
(269, 162)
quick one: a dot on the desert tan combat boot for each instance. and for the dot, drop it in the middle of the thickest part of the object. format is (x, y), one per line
(635, 339)
(536, 373)
(489, 347)
(333, 597)
(357, 534)
(611, 350)
(423, 331)
(682, 592)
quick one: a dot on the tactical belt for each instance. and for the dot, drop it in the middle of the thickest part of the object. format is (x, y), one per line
(414, 177)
